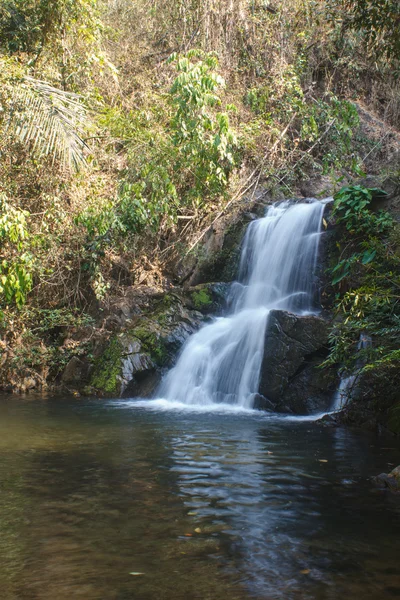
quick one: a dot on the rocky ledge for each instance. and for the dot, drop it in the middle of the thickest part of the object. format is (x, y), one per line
(291, 381)
(143, 343)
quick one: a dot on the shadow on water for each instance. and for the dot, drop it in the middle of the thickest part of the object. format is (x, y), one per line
(203, 505)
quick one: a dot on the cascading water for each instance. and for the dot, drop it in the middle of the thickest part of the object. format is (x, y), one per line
(222, 361)
(347, 384)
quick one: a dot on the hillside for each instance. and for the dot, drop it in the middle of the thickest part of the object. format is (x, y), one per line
(128, 127)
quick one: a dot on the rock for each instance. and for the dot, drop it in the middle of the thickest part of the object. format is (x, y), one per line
(219, 256)
(208, 298)
(329, 421)
(395, 473)
(131, 363)
(318, 187)
(76, 372)
(311, 390)
(387, 481)
(295, 345)
(262, 403)
(390, 481)
(28, 384)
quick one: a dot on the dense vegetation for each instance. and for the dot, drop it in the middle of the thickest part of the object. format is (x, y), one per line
(126, 127)
(367, 279)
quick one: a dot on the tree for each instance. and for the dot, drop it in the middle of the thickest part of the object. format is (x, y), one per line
(377, 20)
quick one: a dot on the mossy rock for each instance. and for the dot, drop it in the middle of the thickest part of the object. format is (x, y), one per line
(140, 354)
(151, 341)
(208, 298)
(107, 369)
(201, 299)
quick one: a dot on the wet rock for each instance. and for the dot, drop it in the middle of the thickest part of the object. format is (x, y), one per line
(390, 481)
(330, 420)
(289, 377)
(131, 362)
(208, 298)
(262, 403)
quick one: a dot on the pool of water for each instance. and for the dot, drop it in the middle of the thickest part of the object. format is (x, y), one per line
(108, 500)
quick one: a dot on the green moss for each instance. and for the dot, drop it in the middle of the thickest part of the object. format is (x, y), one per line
(107, 369)
(201, 298)
(152, 344)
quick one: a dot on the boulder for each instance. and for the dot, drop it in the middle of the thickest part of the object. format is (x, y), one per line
(76, 371)
(318, 187)
(294, 346)
(390, 481)
(131, 362)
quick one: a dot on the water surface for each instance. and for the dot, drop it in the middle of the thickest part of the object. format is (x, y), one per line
(104, 500)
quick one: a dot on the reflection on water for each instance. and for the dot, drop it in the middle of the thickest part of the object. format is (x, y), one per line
(113, 501)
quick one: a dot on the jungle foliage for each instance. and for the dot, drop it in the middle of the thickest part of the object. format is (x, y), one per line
(367, 277)
(127, 126)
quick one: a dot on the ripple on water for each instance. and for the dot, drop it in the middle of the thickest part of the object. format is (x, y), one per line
(204, 504)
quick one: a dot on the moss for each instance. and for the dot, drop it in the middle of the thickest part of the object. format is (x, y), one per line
(152, 344)
(107, 369)
(201, 298)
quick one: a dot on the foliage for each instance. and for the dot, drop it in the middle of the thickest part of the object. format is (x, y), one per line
(377, 20)
(351, 209)
(206, 145)
(189, 163)
(17, 263)
(37, 26)
(369, 303)
(48, 120)
(321, 129)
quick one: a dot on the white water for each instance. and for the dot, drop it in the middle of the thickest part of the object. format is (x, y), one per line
(221, 363)
(347, 384)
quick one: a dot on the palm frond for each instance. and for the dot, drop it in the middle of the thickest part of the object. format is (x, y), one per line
(51, 121)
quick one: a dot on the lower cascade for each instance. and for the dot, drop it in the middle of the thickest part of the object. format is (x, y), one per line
(221, 363)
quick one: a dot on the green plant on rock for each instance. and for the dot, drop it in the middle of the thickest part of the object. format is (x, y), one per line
(351, 208)
(369, 266)
(201, 299)
(107, 369)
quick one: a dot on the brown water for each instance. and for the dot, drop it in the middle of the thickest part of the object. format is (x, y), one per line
(205, 506)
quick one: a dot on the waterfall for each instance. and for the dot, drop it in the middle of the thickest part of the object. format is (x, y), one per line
(222, 361)
(347, 384)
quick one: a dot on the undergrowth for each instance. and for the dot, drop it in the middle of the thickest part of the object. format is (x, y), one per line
(126, 128)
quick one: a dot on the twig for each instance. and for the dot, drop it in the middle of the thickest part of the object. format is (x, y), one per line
(376, 145)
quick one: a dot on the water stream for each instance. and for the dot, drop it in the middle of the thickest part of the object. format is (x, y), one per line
(221, 363)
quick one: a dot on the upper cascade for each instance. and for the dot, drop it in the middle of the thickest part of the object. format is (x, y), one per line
(222, 361)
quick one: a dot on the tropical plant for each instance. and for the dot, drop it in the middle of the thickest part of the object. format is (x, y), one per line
(205, 142)
(49, 121)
